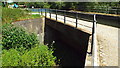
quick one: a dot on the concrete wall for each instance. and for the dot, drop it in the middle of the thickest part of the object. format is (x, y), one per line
(74, 38)
(33, 26)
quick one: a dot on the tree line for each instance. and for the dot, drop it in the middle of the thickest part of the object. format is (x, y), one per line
(79, 6)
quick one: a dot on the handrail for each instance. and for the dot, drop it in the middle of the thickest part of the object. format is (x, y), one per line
(75, 15)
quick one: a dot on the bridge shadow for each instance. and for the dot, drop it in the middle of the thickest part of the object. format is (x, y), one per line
(70, 47)
(67, 55)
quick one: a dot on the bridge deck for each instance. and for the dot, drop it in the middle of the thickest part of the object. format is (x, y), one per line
(82, 25)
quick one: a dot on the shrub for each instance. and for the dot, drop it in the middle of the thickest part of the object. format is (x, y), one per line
(16, 37)
(37, 56)
(10, 57)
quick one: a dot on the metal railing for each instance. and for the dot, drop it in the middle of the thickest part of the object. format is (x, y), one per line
(75, 15)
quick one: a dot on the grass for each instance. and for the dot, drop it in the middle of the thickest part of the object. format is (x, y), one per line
(10, 15)
(29, 17)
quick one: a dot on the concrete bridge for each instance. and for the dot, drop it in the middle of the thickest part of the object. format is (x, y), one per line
(80, 34)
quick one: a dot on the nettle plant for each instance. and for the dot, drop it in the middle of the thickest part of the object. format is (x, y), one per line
(37, 56)
(16, 37)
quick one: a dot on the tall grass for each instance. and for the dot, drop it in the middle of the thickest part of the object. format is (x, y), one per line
(9, 15)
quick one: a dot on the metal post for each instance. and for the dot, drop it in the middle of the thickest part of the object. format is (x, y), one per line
(94, 43)
(108, 9)
(50, 13)
(41, 11)
(117, 9)
(38, 11)
(45, 13)
(64, 16)
(56, 14)
(76, 19)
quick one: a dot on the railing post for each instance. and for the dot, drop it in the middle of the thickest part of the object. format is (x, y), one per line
(50, 13)
(94, 44)
(41, 11)
(117, 11)
(38, 11)
(45, 13)
(76, 19)
(56, 14)
(64, 16)
(107, 9)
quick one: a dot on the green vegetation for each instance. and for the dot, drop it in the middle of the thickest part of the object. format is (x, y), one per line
(101, 7)
(82, 6)
(15, 37)
(37, 56)
(20, 48)
(10, 15)
(29, 17)
(23, 49)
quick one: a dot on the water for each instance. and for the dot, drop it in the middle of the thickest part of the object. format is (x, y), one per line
(39, 10)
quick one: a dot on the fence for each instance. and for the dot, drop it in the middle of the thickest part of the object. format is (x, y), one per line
(76, 15)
